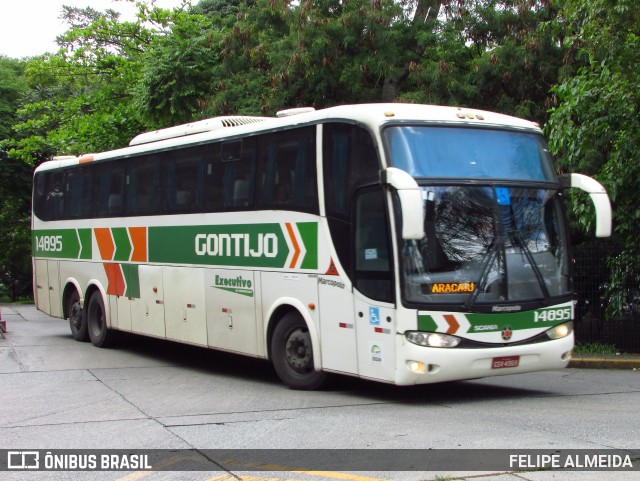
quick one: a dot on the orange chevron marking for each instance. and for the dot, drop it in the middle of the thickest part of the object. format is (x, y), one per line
(139, 240)
(453, 324)
(105, 243)
(296, 247)
(115, 286)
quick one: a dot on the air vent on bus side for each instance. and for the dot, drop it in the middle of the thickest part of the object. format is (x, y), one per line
(193, 128)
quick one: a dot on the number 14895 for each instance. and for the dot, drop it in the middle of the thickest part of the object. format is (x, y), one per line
(551, 315)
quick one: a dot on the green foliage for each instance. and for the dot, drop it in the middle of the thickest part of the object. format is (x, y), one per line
(73, 101)
(13, 88)
(260, 56)
(177, 71)
(594, 348)
(569, 64)
(595, 128)
(15, 234)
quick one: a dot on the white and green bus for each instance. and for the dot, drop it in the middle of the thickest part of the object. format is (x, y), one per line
(406, 244)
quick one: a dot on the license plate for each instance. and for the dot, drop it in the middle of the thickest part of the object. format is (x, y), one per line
(502, 362)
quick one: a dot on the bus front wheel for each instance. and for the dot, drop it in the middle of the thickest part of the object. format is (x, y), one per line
(292, 354)
(77, 320)
(100, 335)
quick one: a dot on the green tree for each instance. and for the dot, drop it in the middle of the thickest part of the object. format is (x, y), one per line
(13, 89)
(260, 56)
(177, 73)
(595, 128)
(518, 61)
(82, 95)
(73, 101)
(15, 236)
(15, 182)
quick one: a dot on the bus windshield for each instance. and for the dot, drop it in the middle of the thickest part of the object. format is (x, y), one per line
(469, 153)
(487, 244)
(494, 230)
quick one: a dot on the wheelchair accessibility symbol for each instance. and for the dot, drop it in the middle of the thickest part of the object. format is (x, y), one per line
(374, 316)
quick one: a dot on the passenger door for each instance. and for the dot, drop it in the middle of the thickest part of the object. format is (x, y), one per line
(373, 285)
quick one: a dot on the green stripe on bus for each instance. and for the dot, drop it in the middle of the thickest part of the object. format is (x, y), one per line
(241, 245)
(309, 233)
(244, 245)
(426, 323)
(122, 243)
(493, 322)
(57, 244)
(132, 279)
(84, 235)
(538, 318)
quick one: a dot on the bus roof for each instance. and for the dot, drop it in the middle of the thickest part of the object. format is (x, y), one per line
(372, 115)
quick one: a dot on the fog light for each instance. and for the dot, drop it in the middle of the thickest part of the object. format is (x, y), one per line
(416, 366)
(431, 339)
(560, 331)
(567, 356)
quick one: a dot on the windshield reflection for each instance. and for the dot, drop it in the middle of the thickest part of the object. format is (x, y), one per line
(487, 245)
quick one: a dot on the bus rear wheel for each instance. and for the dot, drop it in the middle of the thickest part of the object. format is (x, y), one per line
(77, 320)
(99, 333)
(292, 354)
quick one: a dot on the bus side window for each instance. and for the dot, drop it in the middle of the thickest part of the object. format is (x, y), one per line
(288, 170)
(143, 188)
(349, 161)
(87, 198)
(373, 274)
(73, 191)
(231, 172)
(40, 195)
(110, 189)
(184, 173)
(55, 196)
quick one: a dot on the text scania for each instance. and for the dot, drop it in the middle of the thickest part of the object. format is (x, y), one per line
(238, 245)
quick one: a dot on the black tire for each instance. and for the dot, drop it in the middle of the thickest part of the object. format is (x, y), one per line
(77, 320)
(292, 354)
(99, 333)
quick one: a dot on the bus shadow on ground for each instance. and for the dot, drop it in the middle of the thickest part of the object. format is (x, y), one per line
(243, 368)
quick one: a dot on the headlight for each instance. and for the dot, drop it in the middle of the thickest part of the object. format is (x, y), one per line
(560, 331)
(431, 339)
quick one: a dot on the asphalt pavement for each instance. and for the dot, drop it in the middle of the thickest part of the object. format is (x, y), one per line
(584, 361)
(16, 313)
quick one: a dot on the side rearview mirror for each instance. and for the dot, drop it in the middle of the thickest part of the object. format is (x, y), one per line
(599, 197)
(411, 204)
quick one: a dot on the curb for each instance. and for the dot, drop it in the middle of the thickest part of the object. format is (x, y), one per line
(606, 362)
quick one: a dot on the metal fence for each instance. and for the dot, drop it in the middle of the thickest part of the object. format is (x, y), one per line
(592, 275)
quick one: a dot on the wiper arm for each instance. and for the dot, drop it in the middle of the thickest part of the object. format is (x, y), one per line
(484, 273)
(536, 270)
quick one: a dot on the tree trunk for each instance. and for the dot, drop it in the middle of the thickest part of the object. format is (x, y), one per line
(391, 87)
(426, 10)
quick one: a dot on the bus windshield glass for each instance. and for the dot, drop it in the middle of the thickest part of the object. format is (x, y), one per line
(494, 230)
(469, 153)
(487, 244)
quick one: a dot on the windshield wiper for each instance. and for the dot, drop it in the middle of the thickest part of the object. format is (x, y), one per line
(485, 268)
(517, 240)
